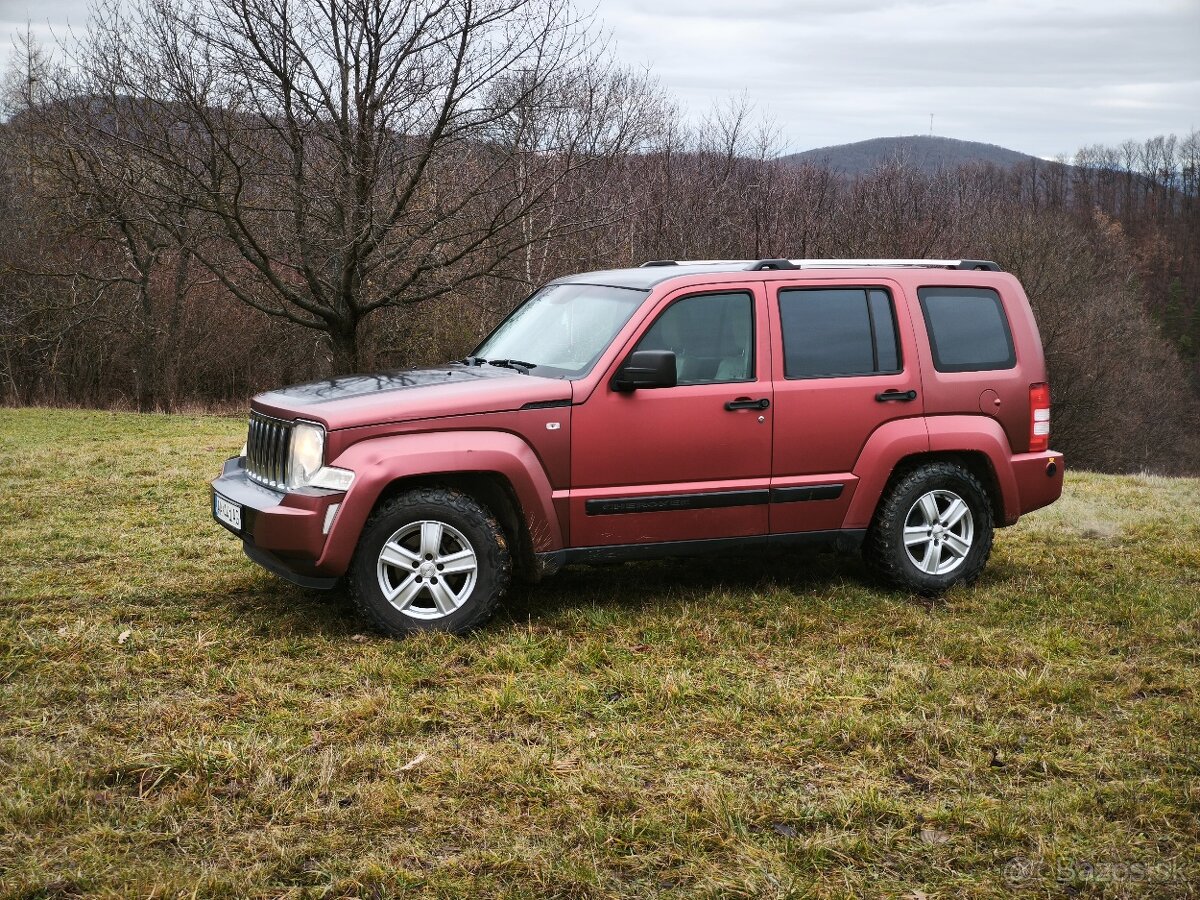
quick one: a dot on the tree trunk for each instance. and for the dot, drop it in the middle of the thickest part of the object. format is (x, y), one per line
(169, 377)
(343, 342)
(146, 352)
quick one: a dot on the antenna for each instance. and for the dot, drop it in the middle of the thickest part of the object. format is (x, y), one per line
(931, 124)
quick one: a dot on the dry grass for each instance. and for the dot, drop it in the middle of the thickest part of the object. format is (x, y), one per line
(174, 721)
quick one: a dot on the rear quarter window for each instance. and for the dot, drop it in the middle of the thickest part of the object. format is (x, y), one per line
(968, 330)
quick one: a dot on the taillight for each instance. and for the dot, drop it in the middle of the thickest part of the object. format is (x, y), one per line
(1039, 417)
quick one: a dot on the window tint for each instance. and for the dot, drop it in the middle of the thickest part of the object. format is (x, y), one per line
(967, 329)
(883, 326)
(712, 336)
(837, 331)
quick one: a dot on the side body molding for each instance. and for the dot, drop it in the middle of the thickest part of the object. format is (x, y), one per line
(377, 462)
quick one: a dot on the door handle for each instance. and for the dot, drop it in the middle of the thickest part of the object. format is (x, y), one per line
(747, 403)
(898, 396)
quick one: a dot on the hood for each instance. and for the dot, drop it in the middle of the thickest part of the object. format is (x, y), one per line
(402, 396)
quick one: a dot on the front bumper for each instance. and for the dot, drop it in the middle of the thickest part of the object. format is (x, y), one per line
(285, 533)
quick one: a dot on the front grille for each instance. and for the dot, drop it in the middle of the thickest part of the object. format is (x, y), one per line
(268, 449)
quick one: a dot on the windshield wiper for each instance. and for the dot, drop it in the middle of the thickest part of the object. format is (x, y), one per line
(472, 360)
(519, 365)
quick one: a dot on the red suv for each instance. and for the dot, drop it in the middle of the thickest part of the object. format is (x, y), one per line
(900, 406)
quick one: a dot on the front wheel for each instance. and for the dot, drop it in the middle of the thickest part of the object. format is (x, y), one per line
(432, 559)
(933, 529)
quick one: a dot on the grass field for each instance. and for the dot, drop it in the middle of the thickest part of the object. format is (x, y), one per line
(174, 721)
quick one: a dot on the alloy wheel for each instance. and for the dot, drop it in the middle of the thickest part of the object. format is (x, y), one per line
(938, 532)
(427, 569)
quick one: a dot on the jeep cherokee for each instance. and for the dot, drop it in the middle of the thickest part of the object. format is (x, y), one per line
(897, 406)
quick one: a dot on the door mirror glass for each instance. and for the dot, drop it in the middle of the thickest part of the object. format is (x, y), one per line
(646, 369)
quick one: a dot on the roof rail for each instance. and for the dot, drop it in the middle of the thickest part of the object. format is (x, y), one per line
(967, 264)
(760, 265)
(654, 263)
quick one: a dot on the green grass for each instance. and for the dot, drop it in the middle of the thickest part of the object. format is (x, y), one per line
(174, 721)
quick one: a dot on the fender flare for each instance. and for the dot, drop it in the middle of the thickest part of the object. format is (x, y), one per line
(378, 462)
(981, 434)
(896, 440)
(887, 445)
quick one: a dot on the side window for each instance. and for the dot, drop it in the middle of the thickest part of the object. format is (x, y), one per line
(712, 336)
(968, 331)
(838, 331)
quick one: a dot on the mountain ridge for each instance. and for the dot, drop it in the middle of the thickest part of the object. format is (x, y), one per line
(929, 153)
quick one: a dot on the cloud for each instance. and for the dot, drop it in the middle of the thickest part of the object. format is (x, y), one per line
(1036, 76)
(1039, 78)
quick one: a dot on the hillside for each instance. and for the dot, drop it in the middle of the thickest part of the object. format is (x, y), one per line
(174, 720)
(922, 151)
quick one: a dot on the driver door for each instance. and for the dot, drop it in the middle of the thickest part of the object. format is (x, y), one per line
(684, 463)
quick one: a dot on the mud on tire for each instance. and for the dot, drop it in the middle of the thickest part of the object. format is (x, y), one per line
(430, 559)
(915, 509)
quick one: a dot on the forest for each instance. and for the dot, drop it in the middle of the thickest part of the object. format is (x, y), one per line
(201, 201)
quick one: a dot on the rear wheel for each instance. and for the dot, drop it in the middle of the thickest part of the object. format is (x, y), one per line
(432, 559)
(933, 529)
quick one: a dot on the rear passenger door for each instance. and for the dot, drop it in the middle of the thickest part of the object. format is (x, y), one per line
(845, 364)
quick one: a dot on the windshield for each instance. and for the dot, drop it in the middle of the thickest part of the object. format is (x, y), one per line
(563, 328)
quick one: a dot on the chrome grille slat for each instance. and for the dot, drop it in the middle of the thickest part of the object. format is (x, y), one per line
(274, 472)
(252, 446)
(259, 446)
(268, 445)
(281, 468)
(277, 457)
(273, 443)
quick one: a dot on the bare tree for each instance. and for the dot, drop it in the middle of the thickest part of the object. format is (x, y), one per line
(327, 159)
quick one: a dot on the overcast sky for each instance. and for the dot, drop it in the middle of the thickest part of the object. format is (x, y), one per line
(1039, 76)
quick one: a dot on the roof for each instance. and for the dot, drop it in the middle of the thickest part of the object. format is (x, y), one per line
(650, 274)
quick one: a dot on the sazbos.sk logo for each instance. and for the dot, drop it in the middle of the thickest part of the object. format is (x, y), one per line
(1019, 870)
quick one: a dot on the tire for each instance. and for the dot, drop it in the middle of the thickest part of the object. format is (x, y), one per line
(410, 545)
(921, 540)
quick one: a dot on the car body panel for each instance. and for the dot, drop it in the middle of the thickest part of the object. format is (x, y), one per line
(822, 424)
(956, 393)
(672, 441)
(289, 525)
(435, 393)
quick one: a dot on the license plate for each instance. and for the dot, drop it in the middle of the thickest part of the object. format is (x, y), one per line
(228, 512)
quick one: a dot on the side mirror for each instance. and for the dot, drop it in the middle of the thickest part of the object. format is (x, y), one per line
(646, 369)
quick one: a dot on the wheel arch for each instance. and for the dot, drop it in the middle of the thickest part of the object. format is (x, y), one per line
(497, 469)
(490, 489)
(974, 461)
(978, 443)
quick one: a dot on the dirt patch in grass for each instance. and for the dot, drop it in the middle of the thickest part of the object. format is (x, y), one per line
(173, 720)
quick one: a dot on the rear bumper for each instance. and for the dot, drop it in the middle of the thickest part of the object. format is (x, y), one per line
(1039, 478)
(284, 533)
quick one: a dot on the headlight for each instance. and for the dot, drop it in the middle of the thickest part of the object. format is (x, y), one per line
(308, 453)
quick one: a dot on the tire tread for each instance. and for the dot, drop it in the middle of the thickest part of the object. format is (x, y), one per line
(495, 555)
(887, 560)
